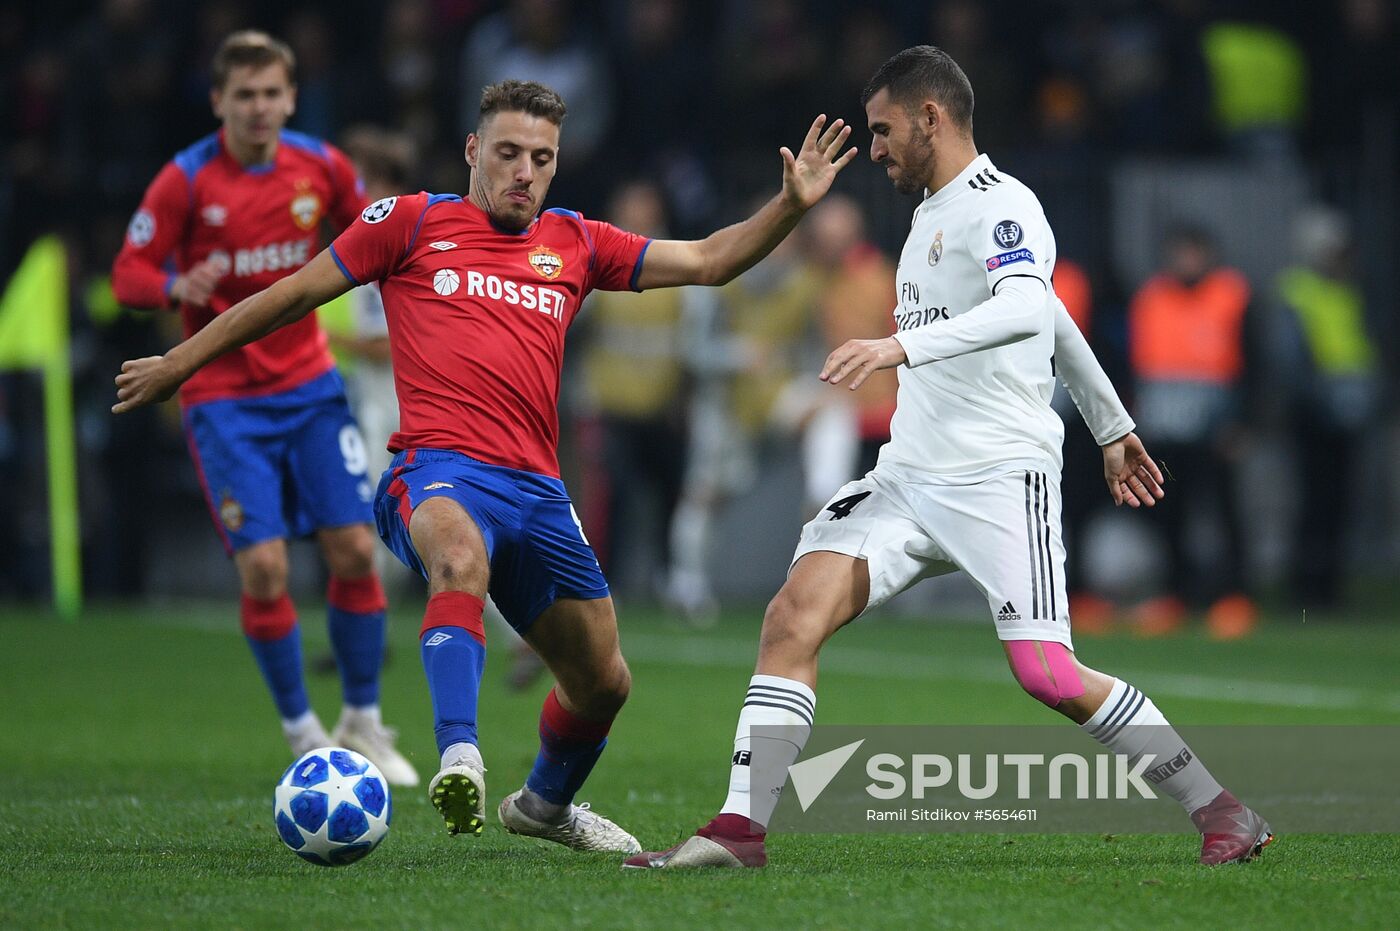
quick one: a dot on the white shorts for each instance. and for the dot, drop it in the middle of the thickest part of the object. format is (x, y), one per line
(1004, 533)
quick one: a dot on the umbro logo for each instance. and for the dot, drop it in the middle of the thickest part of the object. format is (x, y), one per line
(443, 245)
(983, 180)
(436, 485)
(437, 638)
(1008, 613)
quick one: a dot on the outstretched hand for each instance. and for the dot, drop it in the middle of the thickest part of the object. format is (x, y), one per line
(1132, 475)
(807, 176)
(145, 381)
(861, 358)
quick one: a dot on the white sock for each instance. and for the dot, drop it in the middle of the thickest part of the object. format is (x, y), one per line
(1128, 723)
(460, 753)
(361, 713)
(304, 723)
(771, 701)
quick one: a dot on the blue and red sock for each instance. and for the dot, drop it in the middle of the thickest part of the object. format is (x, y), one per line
(453, 644)
(271, 628)
(356, 623)
(569, 746)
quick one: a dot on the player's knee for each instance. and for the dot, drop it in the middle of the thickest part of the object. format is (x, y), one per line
(1045, 670)
(352, 557)
(791, 623)
(605, 691)
(263, 572)
(453, 569)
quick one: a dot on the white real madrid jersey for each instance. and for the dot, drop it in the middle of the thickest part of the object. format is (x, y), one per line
(974, 399)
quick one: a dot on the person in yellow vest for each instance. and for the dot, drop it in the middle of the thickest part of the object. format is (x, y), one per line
(1186, 346)
(1332, 394)
(634, 381)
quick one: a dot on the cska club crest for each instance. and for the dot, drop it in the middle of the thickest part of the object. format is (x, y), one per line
(935, 251)
(547, 262)
(231, 512)
(306, 207)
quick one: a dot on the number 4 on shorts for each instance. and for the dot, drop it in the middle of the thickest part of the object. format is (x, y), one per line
(845, 506)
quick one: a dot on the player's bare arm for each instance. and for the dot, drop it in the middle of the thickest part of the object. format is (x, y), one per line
(156, 378)
(727, 253)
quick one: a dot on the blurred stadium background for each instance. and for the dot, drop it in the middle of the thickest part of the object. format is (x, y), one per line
(1129, 119)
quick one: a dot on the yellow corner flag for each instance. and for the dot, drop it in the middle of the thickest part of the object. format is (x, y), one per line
(34, 335)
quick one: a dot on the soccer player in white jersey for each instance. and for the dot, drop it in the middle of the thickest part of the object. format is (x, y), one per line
(970, 477)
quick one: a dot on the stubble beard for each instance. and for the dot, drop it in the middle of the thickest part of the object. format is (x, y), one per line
(918, 167)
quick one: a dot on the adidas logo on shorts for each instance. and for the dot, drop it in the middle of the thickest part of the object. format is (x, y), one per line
(1008, 613)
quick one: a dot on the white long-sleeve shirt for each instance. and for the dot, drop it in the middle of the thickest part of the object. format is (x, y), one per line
(980, 324)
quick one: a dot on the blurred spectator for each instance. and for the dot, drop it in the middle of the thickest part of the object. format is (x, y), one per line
(541, 40)
(1081, 479)
(309, 34)
(117, 134)
(1332, 386)
(657, 63)
(410, 65)
(961, 28)
(697, 97)
(748, 352)
(1187, 348)
(634, 376)
(359, 337)
(771, 57)
(843, 437)
(1149, 72)
(1259, 79)
(1354, 78)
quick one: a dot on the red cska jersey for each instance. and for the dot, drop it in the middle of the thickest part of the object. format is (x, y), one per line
(260, 223)
(477, 318)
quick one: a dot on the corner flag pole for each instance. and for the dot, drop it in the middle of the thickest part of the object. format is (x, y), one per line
(34, 335)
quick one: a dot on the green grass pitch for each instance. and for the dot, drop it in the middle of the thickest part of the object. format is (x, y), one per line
(138, 753)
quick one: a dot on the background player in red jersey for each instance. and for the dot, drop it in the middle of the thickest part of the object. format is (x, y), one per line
(269, 429)
(479, 293)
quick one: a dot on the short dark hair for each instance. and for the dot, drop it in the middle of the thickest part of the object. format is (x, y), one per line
(251, 47)
(529, 97)
(919, 73)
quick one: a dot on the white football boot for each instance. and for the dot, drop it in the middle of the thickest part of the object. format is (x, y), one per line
(458, 792)
(305, 734)
(366, 734)
(580, 828)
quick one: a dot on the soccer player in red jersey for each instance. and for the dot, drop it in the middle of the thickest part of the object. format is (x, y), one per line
(479, 292)
(272, 437)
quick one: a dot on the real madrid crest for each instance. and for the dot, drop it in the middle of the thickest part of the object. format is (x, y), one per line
(231, 512)
(935, 251)
(306, 206)
(547, 262)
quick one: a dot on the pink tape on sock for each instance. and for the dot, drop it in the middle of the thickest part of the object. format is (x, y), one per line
(1051, 681)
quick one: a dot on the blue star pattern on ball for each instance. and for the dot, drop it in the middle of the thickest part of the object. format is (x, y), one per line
(332, 807)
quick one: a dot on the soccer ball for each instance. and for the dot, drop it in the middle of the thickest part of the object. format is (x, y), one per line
(332, 806)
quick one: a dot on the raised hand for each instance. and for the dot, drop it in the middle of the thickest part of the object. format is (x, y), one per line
(807, 176)
(1132, 475)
